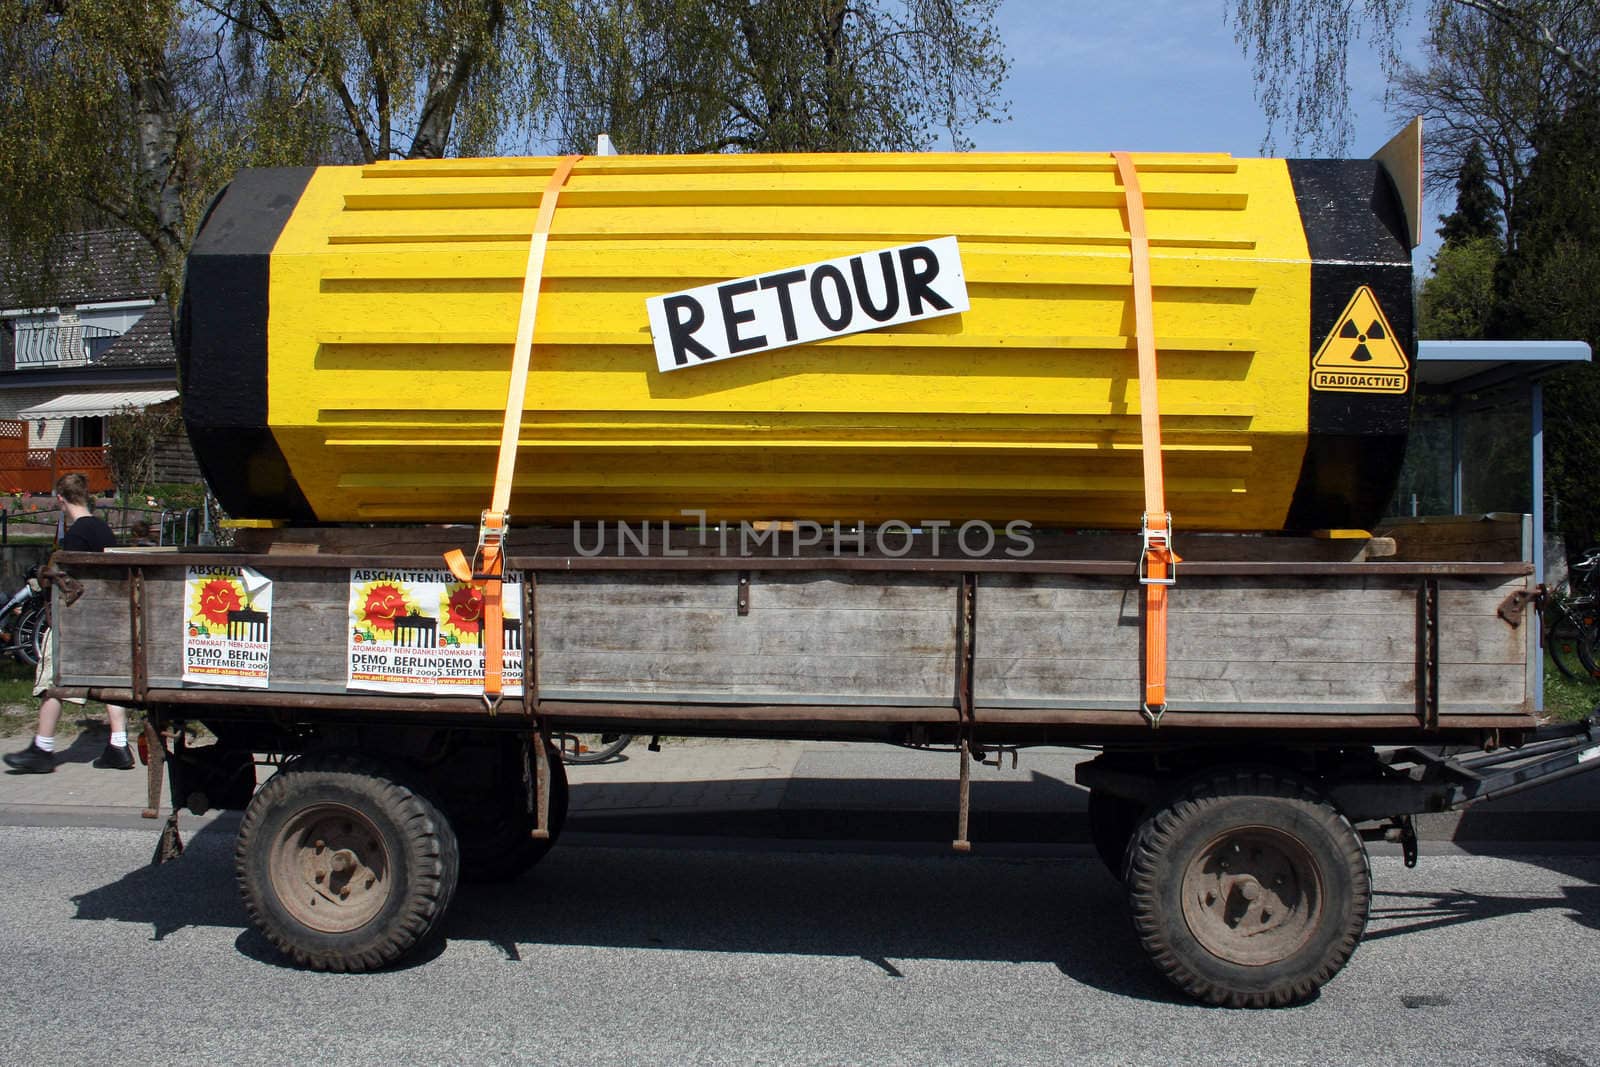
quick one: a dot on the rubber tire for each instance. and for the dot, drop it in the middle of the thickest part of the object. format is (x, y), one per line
(608, 750)
(1581, 659)
(1112, 823)
(31, 628)
(500, 847)
(419, 841)
(1206, 807)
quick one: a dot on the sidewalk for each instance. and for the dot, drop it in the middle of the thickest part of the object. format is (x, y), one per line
(804, 790)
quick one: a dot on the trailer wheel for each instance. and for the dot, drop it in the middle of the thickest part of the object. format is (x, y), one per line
(1112, 821)
(1248, 890)
(497, 843)
(343, 866)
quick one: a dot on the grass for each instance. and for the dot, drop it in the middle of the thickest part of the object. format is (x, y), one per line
(19, 709)
(1568, 699)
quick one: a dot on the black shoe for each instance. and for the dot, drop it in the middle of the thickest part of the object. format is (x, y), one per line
(31, 760)
(116, 758)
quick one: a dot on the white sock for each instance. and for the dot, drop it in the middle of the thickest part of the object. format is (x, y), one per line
(119, 738)
(43, 743)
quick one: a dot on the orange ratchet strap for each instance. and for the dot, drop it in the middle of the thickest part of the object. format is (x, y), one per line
(487, 572)
(1157, 561)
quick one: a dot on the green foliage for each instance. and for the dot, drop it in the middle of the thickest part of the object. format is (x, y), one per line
(405, 78)
(177, 496)
(1300, 50)
(1572, 454)
(1482, 91)
(131, 439)
(1549, 287)
(778, 75)
(1477, 213)
(1458, 296)
(134, 112)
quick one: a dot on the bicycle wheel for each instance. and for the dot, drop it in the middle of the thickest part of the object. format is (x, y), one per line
(1570, 641)
(30, 633)
(592, 748)
(1587, 644)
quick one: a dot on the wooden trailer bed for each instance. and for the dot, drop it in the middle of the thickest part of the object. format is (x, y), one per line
(1039, 649)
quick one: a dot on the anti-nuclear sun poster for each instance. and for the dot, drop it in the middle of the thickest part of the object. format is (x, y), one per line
(227, 632)
(422, 632)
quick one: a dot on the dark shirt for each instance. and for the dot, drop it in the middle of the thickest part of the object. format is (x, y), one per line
(88, 534)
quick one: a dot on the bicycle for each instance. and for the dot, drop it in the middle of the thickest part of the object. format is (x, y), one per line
(591, 748)
(1572, 621)
(24, 620)
(597, 748)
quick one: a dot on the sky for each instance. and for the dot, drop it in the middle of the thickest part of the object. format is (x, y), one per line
(1157, 75)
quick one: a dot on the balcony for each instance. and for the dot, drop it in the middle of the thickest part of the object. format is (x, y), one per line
(35, 470)
(62, 345)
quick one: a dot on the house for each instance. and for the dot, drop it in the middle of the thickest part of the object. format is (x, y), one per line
(96, 342)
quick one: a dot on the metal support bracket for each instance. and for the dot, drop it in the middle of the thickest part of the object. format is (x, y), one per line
(1428, 653)
(1404, 830)
(1513, 607)
(539, 783)
(966, 658)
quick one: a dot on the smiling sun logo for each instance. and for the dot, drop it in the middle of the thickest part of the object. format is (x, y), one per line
(213, 600)
(375, 607)
(460, 616)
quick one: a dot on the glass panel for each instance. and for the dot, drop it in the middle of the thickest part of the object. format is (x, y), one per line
(1424, 486)
(1496, 455)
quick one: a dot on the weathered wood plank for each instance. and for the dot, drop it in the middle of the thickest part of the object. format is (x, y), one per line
(1322, 644)
(1495, 537)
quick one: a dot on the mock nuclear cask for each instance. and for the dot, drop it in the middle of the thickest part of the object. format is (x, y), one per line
(347, 337)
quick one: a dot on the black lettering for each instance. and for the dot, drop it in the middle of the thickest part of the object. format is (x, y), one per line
(783, 283)
(917, 281)
(891, 287)
(681, 331)
(731, 318)
(841, 288)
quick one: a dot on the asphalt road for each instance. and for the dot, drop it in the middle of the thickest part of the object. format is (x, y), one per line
(749, 954)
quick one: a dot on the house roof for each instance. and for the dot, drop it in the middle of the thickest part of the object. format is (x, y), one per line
(92, 267)
(147, 344)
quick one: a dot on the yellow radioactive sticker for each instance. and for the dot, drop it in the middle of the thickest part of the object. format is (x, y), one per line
(1362, 354)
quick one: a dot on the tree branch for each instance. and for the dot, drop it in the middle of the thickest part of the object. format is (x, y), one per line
(1535, 31)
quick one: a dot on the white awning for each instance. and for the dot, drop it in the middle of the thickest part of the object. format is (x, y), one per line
(88, 405)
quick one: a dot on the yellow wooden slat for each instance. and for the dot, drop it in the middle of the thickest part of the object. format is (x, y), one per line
(394, 293)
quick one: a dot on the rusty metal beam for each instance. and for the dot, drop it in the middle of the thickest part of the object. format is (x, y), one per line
(692, 564)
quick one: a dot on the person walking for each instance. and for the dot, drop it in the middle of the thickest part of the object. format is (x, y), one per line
(85, 532)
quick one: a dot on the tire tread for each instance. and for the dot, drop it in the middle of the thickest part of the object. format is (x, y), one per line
(1156, 837)
(430, 886)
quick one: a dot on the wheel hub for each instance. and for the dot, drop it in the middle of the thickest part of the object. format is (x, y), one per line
(1252, 896)
(330, 869)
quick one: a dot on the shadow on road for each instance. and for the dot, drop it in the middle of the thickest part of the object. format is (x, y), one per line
(1396, 913)
(885, 909)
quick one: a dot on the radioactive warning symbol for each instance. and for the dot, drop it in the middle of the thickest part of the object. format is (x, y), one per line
(1362, 354)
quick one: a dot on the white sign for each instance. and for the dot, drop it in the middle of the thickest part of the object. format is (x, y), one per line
(421, 631)
(867, 291)
(227, 627)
